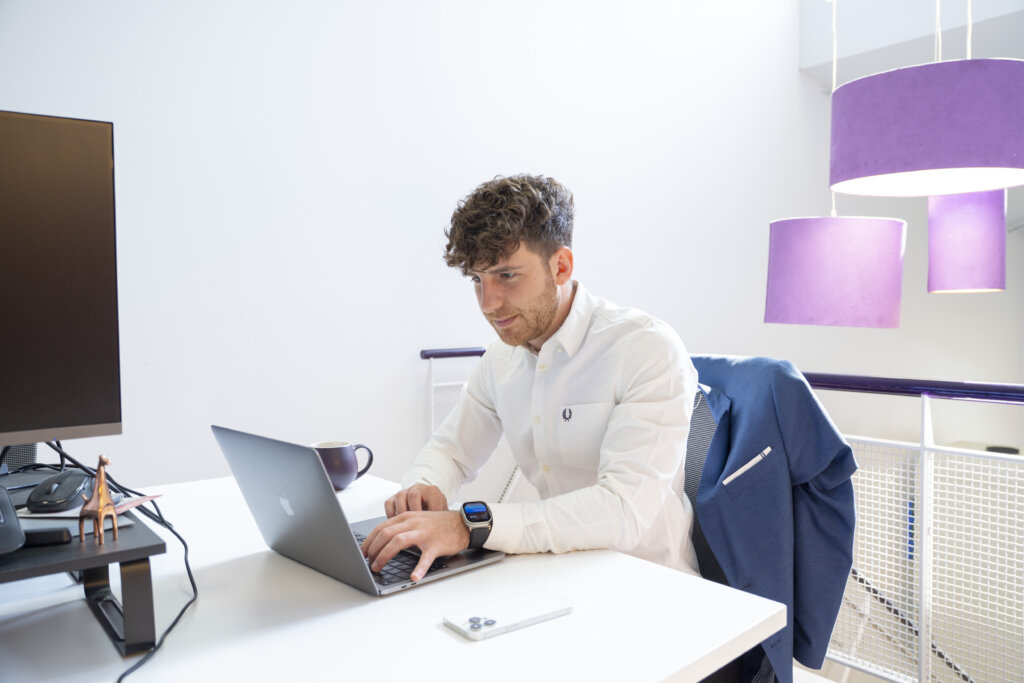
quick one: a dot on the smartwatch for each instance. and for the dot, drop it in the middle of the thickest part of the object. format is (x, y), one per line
(477, 517)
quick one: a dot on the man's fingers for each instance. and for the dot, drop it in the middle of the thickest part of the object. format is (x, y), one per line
(377, 539)
(368, 545)
(414, 500)
(382, 549)
(391, 505)
(436, 500)
(387, 540)
(426, 559)
(401, 502)
(435, 533)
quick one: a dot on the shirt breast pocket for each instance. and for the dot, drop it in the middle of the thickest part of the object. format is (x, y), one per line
(581, 429)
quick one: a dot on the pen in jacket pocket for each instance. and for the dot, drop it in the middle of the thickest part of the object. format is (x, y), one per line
(753, 461)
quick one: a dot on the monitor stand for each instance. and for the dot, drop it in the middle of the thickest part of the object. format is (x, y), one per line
(129, 622)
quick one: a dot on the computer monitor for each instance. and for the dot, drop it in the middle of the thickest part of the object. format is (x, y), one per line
(60, 375)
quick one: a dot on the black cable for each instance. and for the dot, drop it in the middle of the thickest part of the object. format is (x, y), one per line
(24, 468)
(195, 596)
(28, 468)
(157, 517)
(55, 445)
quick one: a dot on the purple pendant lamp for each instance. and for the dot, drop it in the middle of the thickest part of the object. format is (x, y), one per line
(941, 128)
(845, 271)
(967, 242)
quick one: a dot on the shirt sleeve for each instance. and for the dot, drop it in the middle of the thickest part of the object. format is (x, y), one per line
(462, 443)
(640, 455)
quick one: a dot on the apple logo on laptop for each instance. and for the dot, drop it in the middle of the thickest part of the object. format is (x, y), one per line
(287, 507)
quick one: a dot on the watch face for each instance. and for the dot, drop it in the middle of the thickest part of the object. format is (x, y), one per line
(476, 512)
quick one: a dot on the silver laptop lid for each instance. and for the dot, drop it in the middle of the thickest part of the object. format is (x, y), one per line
(294, 505)
(298, 513)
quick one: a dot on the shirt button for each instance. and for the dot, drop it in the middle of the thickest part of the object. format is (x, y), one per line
(545, 468)
(536, 419)
(543, 368)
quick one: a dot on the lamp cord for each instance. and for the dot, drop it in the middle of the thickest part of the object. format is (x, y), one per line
(938, 30)
(835, 62)
(970, 28)
(835, 44)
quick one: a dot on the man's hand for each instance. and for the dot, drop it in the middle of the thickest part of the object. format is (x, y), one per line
(437, 534)
(415, 498)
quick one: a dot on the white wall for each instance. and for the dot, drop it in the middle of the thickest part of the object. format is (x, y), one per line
(285, 171)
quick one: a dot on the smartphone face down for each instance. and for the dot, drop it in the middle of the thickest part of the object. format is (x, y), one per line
(509, 614)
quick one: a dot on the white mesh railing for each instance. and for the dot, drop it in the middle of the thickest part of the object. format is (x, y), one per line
(875, 629)
(937, 587)
(972, 626)
(977, 564)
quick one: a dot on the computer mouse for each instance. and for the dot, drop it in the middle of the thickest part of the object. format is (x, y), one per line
(62, 491)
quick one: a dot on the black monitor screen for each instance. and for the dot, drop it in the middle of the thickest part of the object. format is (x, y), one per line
(59, 359)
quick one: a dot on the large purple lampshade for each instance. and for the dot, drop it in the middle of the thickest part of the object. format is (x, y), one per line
(941, 128)
(835, 271)
(967, 242)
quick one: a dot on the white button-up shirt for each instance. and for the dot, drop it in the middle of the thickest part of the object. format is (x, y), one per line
(597, 421)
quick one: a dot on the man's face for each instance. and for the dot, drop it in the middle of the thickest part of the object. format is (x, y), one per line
(518, 297)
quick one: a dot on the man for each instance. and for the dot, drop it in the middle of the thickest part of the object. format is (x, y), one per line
(595, 401)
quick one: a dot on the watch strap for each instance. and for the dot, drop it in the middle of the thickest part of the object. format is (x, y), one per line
(478, 536)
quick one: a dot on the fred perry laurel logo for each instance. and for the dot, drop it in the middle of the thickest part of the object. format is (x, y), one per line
(566, 414)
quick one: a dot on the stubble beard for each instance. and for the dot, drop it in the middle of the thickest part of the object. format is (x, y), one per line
(533, 321)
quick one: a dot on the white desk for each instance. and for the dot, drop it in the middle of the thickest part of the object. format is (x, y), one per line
(261, 616)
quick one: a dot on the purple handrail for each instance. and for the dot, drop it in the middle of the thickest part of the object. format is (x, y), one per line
(964, 391)
(452, 353)
(894, 386)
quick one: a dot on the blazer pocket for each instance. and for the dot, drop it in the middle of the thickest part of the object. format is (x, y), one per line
(753, 506)
(581, 430)
(755, 473)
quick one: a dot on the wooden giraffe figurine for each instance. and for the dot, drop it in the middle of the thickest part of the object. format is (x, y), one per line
(98, 506)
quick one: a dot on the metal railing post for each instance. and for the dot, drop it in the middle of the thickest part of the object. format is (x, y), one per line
(923, 538)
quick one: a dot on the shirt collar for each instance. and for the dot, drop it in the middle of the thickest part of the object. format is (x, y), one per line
(574, 329)
(572, 332)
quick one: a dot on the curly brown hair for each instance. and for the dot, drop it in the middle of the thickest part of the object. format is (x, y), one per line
(499, 215)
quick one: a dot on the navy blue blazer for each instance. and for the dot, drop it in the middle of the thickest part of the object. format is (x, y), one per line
(782, 529)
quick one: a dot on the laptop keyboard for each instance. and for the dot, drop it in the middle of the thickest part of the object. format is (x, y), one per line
(400, 566)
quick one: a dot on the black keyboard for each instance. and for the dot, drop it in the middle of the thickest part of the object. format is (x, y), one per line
(400, 566)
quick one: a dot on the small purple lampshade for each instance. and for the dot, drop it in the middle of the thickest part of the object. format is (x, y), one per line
(941, 128)
(967, 242)
(835, 271)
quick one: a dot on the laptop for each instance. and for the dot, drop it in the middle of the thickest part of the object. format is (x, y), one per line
(297, 510)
